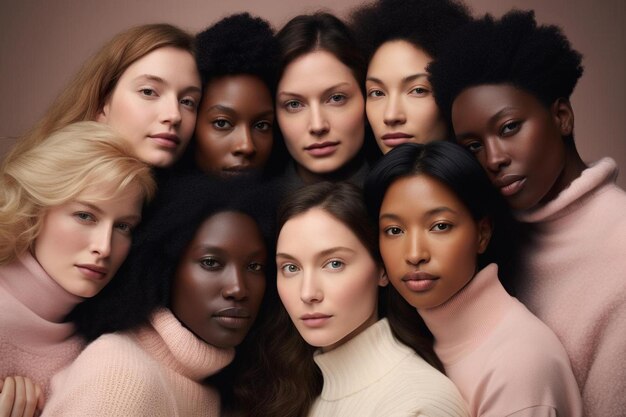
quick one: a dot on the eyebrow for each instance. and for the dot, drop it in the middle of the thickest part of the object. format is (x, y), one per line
(321, 254)
(155, 78)
(98, 210)
(226, 109)
(407, 79)
(491, 122)
(429, 213)
(326, 91)
(221, 251)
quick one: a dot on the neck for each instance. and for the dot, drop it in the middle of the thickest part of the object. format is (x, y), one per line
(341, 174)
(572, 168)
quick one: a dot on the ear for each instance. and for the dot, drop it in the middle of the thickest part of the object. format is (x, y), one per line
(485, 229)
(383, 280)
(563, 116)
(103, 114)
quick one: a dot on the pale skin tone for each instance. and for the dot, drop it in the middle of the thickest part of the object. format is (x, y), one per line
(19, 397)
(320, 110)
(400, 104)
(154, 105)
(327, 280)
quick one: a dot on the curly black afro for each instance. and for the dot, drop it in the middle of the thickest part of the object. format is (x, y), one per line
(424, 23)
(512, 50)
(238, 44)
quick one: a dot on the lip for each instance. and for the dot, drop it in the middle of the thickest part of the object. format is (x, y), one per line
(315, 320)
(419, 281)
(510, 184)
(322, 149)
(166, 139)
(235, 169)
(92, 271)
(234, 318)
(395, 139)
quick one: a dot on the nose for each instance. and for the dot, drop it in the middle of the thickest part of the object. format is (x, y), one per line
(417, 250)
(394, 111)
(235, 286)
(318, 124)
(495, 154)
(310, 291)
(244, 145)
(170, 111)
(101, 240)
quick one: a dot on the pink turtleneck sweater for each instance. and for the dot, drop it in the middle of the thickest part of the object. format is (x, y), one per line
(34, 339)
(504, 360)
(574, 279)
(155, 371)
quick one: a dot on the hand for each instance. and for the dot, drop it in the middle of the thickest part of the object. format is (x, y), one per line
(20, 397)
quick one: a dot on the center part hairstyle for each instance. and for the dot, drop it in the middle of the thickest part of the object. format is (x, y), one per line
(513, 50)
(87, 93)
(426, 24)
(320, 32)
(77, 157)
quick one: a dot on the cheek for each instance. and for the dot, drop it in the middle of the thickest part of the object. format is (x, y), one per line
(292, 128)
(287, 294)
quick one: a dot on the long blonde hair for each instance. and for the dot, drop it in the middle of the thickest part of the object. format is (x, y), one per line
(87, 93)
(81, 155)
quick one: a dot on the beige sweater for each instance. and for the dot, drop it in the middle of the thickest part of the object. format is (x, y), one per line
(375, 375)
(155, 371)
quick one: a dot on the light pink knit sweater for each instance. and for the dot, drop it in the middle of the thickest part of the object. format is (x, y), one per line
(504, 360)
(574, 279)
(34, 340)
(155, 371)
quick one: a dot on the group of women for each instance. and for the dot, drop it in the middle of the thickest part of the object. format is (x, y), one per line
(329, 220)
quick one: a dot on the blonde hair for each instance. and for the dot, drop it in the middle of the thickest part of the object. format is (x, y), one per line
(87, 93)
(81, 155)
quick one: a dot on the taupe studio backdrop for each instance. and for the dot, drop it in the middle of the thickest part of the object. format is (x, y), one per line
(43, 43)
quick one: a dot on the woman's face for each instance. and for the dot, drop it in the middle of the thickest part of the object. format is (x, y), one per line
(220, 281)
(518, 141)
(327, 280)
(400, 104)
(82, 243)
(154, 105)
(320, 110)
(234, 126)
(428, 240)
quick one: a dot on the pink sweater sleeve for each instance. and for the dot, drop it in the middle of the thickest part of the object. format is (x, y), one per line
(112, 377)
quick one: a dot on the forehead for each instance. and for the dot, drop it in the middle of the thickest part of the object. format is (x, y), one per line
(166, 63)
(398, 57)
(314, 70)
(229, 227)
(419, 193)
(247, 91)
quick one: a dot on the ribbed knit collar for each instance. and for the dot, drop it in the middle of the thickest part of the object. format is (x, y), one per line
(168, 341)
(591, 181)
(27, 281)
(463, 322)
(360, 362)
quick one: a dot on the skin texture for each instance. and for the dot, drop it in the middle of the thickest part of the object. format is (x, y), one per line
(220, 280)
(19, 397)
(425, 228)
(319, 104)
(400, 105)
(154, 105)
(518, 141)
(323, 268)
(234, 125)
(82, 243)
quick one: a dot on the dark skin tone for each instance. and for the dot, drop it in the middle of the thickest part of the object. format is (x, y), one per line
(220, 281)
(519, 142)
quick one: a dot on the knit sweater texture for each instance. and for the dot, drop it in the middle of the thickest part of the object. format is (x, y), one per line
(574, 279)
(375, 375)
(503, 359)
(35, 341)
(157, 371)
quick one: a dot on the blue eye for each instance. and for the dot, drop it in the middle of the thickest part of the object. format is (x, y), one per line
(84, 216)
(293, 105)
(334, 264)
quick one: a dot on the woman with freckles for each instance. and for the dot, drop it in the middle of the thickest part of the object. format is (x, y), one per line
(400, 38)
(190, 292)
(320, 104)
(509, 104)
(330, 351)
(144, 83)
(440, 227)
(68, 208)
